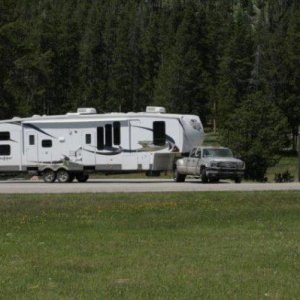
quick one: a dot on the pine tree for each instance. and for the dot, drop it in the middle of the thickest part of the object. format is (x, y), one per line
(151, 45)
(92, 74)
(125, 69)
(235, 67)
(8, 49)
(181, 81)
(280, 60)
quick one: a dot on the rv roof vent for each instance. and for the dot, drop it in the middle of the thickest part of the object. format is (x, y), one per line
(86, 110)
(35, 116)
(72, 114)
(155, 109)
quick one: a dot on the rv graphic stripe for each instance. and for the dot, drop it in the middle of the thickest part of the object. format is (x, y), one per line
(38, 129)
(121, 150)
(28, 125)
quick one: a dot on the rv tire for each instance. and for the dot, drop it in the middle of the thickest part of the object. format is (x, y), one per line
(49, 176)
(82, 177)
(72, 177)
(63, 176)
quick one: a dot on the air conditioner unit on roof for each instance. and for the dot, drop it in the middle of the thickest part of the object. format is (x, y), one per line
(86, 110)
(155, 109)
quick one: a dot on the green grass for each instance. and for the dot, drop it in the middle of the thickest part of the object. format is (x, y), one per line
(150, 246)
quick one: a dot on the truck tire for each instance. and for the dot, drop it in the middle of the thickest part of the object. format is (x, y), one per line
(203, 176)
(82, 177)
(49, 176)
(238, 180)
(63, 176)
(214, 180)
(178, 177)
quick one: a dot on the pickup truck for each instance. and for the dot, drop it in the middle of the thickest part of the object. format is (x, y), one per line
(210, 164)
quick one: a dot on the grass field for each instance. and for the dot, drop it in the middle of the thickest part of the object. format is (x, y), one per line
(150, 246)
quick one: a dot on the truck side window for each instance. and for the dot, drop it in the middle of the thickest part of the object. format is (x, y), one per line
(4, 136)
(198, 153)
(108, 135)
(117, 133)
(100, 138)
(4, 150)
(159, 133)
(193, 153)
(46, 143)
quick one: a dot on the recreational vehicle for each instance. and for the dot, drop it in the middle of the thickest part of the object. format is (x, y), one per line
(73, 145)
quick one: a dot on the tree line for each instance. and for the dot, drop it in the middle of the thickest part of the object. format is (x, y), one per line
(235, 63)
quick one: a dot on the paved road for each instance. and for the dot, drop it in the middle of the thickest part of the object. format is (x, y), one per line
(135, 185)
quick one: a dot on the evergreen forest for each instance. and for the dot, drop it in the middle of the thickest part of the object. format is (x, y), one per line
(235, 63)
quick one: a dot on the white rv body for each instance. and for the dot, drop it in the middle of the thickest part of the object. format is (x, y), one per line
(90, 142)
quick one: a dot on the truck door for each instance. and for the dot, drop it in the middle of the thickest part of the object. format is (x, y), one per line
(193, 162)
(190, 162)
(31, 147)
(197, 160)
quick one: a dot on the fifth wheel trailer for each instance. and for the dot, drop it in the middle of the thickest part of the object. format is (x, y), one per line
(73, 145)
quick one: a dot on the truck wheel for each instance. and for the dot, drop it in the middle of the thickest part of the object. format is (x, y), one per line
(49, 176)
(178, 177)
(214, 180)
(63, 176)
(82, 177)
(238, 180)
(72, 177)
(204, 177)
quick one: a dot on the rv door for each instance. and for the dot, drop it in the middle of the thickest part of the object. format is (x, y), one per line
(45, 145)
(140, 139)
(31, 147)
(89, 147)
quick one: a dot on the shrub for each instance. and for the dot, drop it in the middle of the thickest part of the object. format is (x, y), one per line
(256, 131)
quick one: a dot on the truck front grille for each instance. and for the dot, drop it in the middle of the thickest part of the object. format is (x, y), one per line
(228, 165)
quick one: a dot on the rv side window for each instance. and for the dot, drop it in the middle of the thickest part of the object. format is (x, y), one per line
(108, 135)
(4, 150)
(100, 138)
(88, 139)
(4, 136)
(117, 133)
(31, 140)
(46, 143)
(159, 133)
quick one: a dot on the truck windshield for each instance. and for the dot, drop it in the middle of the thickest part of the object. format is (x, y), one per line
(217, 153)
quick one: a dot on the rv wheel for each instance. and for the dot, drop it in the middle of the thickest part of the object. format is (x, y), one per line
(49, 176)
(63, 176)
(72, 177)
(82, 177)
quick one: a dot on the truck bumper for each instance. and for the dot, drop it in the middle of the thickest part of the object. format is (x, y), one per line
(224, 173)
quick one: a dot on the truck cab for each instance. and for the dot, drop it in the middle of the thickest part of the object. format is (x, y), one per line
(210, 164)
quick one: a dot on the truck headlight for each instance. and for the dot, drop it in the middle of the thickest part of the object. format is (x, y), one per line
(241, 165)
